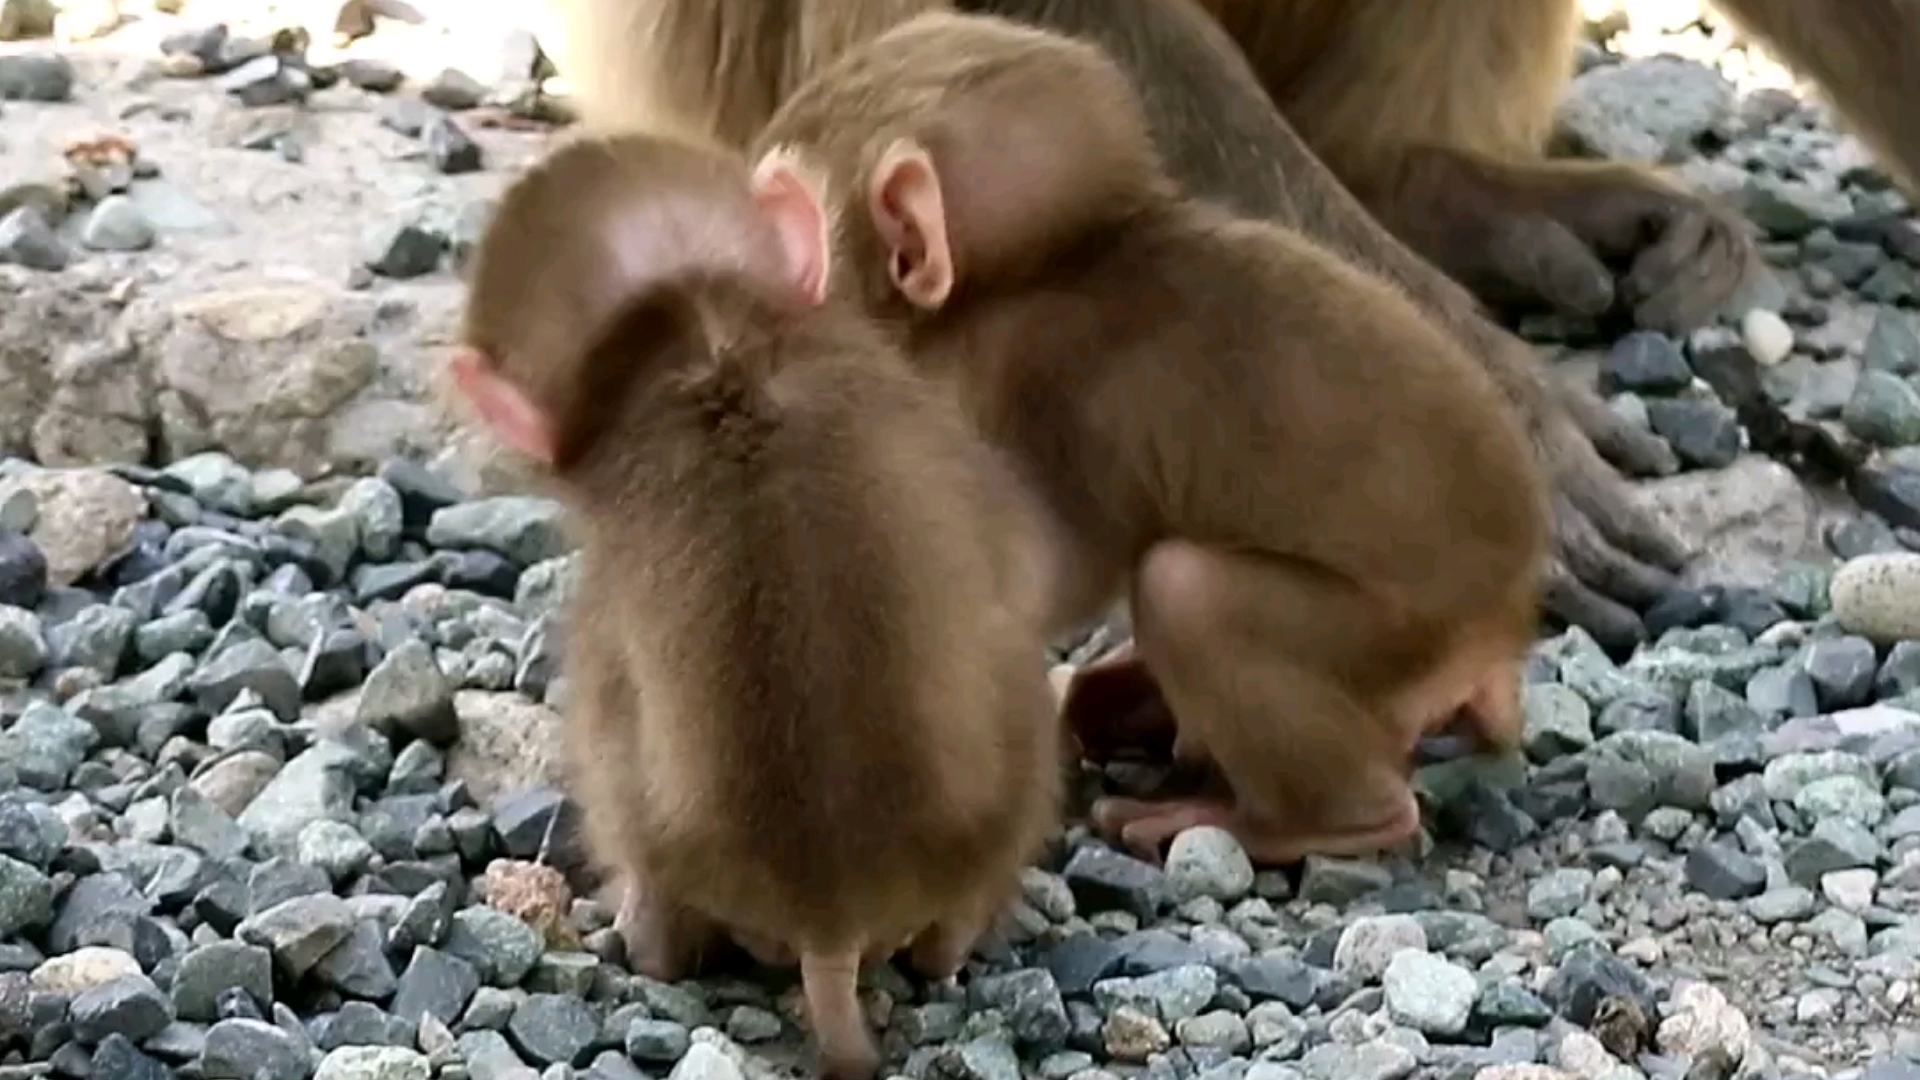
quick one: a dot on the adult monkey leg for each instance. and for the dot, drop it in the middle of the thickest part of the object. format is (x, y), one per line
(1437, 114)
(1225, 140)
(1864, 55)
(717, 68)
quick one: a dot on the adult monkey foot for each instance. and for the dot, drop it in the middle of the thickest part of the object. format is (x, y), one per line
(1224, 139)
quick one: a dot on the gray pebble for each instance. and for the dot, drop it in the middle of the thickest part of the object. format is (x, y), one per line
(207, 971)
(1428, 994)
(1884, 410)
(551, 1028)
(1207, 861)
(23, 643)
(374, 1063)
(44, 77)
(117, 223)
(500, 947)
(253, 1050)
(1705, 434)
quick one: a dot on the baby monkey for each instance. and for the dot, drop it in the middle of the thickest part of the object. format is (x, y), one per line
(1322, 511)
(811, 706)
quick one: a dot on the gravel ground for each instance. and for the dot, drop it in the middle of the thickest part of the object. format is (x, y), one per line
(277, 798)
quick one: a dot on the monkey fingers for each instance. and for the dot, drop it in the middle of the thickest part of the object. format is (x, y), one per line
(1630, 448)
(1614, 553)
(1145, 826)
(1114, 708)
(1686, 257)
(1697, 267)
(1531, 257)
(1547, 232)
(1271, 842)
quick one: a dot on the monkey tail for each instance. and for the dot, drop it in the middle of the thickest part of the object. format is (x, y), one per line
(831, 982)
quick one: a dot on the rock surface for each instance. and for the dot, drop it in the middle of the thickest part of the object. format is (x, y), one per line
(280, 789)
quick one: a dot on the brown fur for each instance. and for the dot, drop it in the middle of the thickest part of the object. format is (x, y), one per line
(1323, 507)
(810, 704)
(1437, 114)
(1223, 139)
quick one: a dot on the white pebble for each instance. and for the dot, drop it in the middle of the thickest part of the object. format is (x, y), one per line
(1642, 950)
(1767, 336)
(1850, 890)
(704, 1061)
(1583, 1055)
(1816, 1005)
(83, 969)
(1878, 596)
(373, 1063)
(1703, 1022)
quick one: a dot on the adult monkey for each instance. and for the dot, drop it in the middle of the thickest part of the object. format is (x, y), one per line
(720, 67)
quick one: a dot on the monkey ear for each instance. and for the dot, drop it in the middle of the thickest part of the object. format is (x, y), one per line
(504, 408)
(911, 215)
(790, 204)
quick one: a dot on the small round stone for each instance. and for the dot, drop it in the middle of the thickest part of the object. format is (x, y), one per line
(1766, 335)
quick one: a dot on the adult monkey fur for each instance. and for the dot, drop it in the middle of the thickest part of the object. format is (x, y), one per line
(828, 589)
(1435, 113)
(720, 67)
(1321, 509)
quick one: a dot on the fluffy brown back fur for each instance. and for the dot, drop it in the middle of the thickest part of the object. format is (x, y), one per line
(811, 701)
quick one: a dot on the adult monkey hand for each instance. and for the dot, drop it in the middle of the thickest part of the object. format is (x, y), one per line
(718, 68)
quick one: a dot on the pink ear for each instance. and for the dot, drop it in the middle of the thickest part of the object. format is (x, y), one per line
(911, 216)
(505, 409)
(790, 203)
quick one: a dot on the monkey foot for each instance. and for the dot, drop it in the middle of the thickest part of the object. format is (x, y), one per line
(941, 950)
(1145, 826)
(662, 943)
(1114, 708)
(1269, 844)
(850, 1063)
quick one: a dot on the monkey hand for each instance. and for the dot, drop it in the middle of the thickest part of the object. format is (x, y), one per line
(1581, 238)
(1685, 257)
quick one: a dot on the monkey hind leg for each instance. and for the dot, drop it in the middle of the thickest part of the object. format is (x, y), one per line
(830, 981)
(1115, 709)
(665, 939)
(1249, 651)
(942, 949)
(766, 951)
